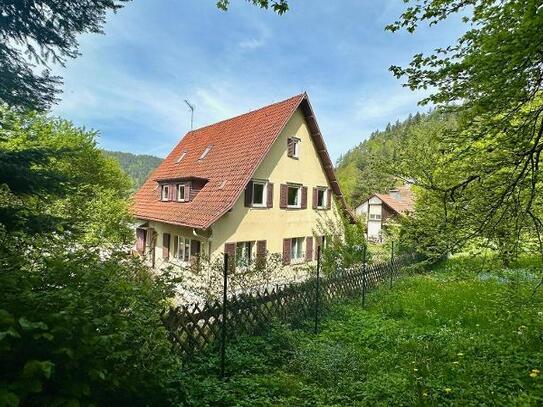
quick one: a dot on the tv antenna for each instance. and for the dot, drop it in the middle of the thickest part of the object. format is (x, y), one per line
(191, 107)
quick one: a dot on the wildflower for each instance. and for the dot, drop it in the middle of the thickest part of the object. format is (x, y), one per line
(447, 389)
(460, 354)
(456, 362)
(425, 394)
(415, 370)
(534, 373)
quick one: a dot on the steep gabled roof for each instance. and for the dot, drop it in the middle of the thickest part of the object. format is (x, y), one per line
(402, 205)
(237, 147)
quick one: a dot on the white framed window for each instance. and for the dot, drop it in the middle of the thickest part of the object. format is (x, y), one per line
(185, 248)
(165, 192)
(181, 192)
(375, 216)
(293, 147)
(294, 196)
(296, 249)
(259, 193)
(322, 198)
(244, 253)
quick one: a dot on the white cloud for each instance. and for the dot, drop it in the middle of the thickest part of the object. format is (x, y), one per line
(252, 43)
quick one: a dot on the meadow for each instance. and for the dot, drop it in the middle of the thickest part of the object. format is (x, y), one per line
(464, 332)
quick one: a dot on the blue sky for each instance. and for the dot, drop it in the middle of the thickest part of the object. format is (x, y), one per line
(130, 84)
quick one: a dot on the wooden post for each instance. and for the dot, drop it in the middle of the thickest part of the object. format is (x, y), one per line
(317, 290)
(364, 276)
(224, 313)
(391, 263)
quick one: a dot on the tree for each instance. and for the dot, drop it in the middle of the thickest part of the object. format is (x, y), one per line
(45, 169)
(35, 33)
(491, 79)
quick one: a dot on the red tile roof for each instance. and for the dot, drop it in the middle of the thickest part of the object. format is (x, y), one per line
(404, 204)
(238, 146)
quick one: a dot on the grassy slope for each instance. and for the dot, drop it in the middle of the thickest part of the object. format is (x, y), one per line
(460, 335)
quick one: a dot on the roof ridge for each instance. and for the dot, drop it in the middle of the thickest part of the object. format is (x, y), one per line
(300, 95)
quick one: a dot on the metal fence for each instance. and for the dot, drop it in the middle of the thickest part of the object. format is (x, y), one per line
(197, 326)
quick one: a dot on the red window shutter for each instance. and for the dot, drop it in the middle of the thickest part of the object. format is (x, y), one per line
(315, 197)
(249, 194)
(140, 240)
(283, 198)
(230, 250)
(290, 147)
(166, 246)
(171, 192)
(309, 248)
(269, 199)
(261, 248)
(187, 192)
(329, 198)
(304, 198)
(286, 251)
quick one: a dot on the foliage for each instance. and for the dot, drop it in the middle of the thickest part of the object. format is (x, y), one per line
(462, 335)
(359, 170)
(278, 6)
(44, 173)
(491, 79)
(37, 33)
(137, 166)
(78, 328)
(345, 244)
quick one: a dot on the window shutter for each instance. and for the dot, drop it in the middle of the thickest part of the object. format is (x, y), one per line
(159, 192)
(187, 192)
(249, 194)
(283, 198)
(329, 198)
(230, 250)
(304, 198)
(269, 199)
(290, 147)
(261, 248)
(165, 246)
(261, 253)
(286, 251)
(309, 248)
(315, 197)
(140, 240)
(171, 192)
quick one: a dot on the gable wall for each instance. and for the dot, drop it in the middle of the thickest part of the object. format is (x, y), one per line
(275, 224)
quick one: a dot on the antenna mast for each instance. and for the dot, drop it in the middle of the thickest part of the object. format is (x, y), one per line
(191, 107)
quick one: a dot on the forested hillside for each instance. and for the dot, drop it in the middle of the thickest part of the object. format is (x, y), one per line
(360, 170)
(137, 166)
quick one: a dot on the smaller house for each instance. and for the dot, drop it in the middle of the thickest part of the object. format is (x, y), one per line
(379, 208)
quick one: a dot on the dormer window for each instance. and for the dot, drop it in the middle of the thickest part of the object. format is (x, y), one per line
(181, 192)
(165, 192)
(183, 154)
(293, 147)
(206, 151)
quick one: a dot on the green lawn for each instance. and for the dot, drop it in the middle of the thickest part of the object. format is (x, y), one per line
(464, 334)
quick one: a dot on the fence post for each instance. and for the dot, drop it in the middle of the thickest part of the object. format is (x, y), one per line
(364, 275)
(317, 290)
(224, 313)
(391, 263)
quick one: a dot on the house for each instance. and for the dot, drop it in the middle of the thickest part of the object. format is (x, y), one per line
(254, 184)
(379, 208)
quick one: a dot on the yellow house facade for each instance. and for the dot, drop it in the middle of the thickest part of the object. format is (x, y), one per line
(267, 187)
